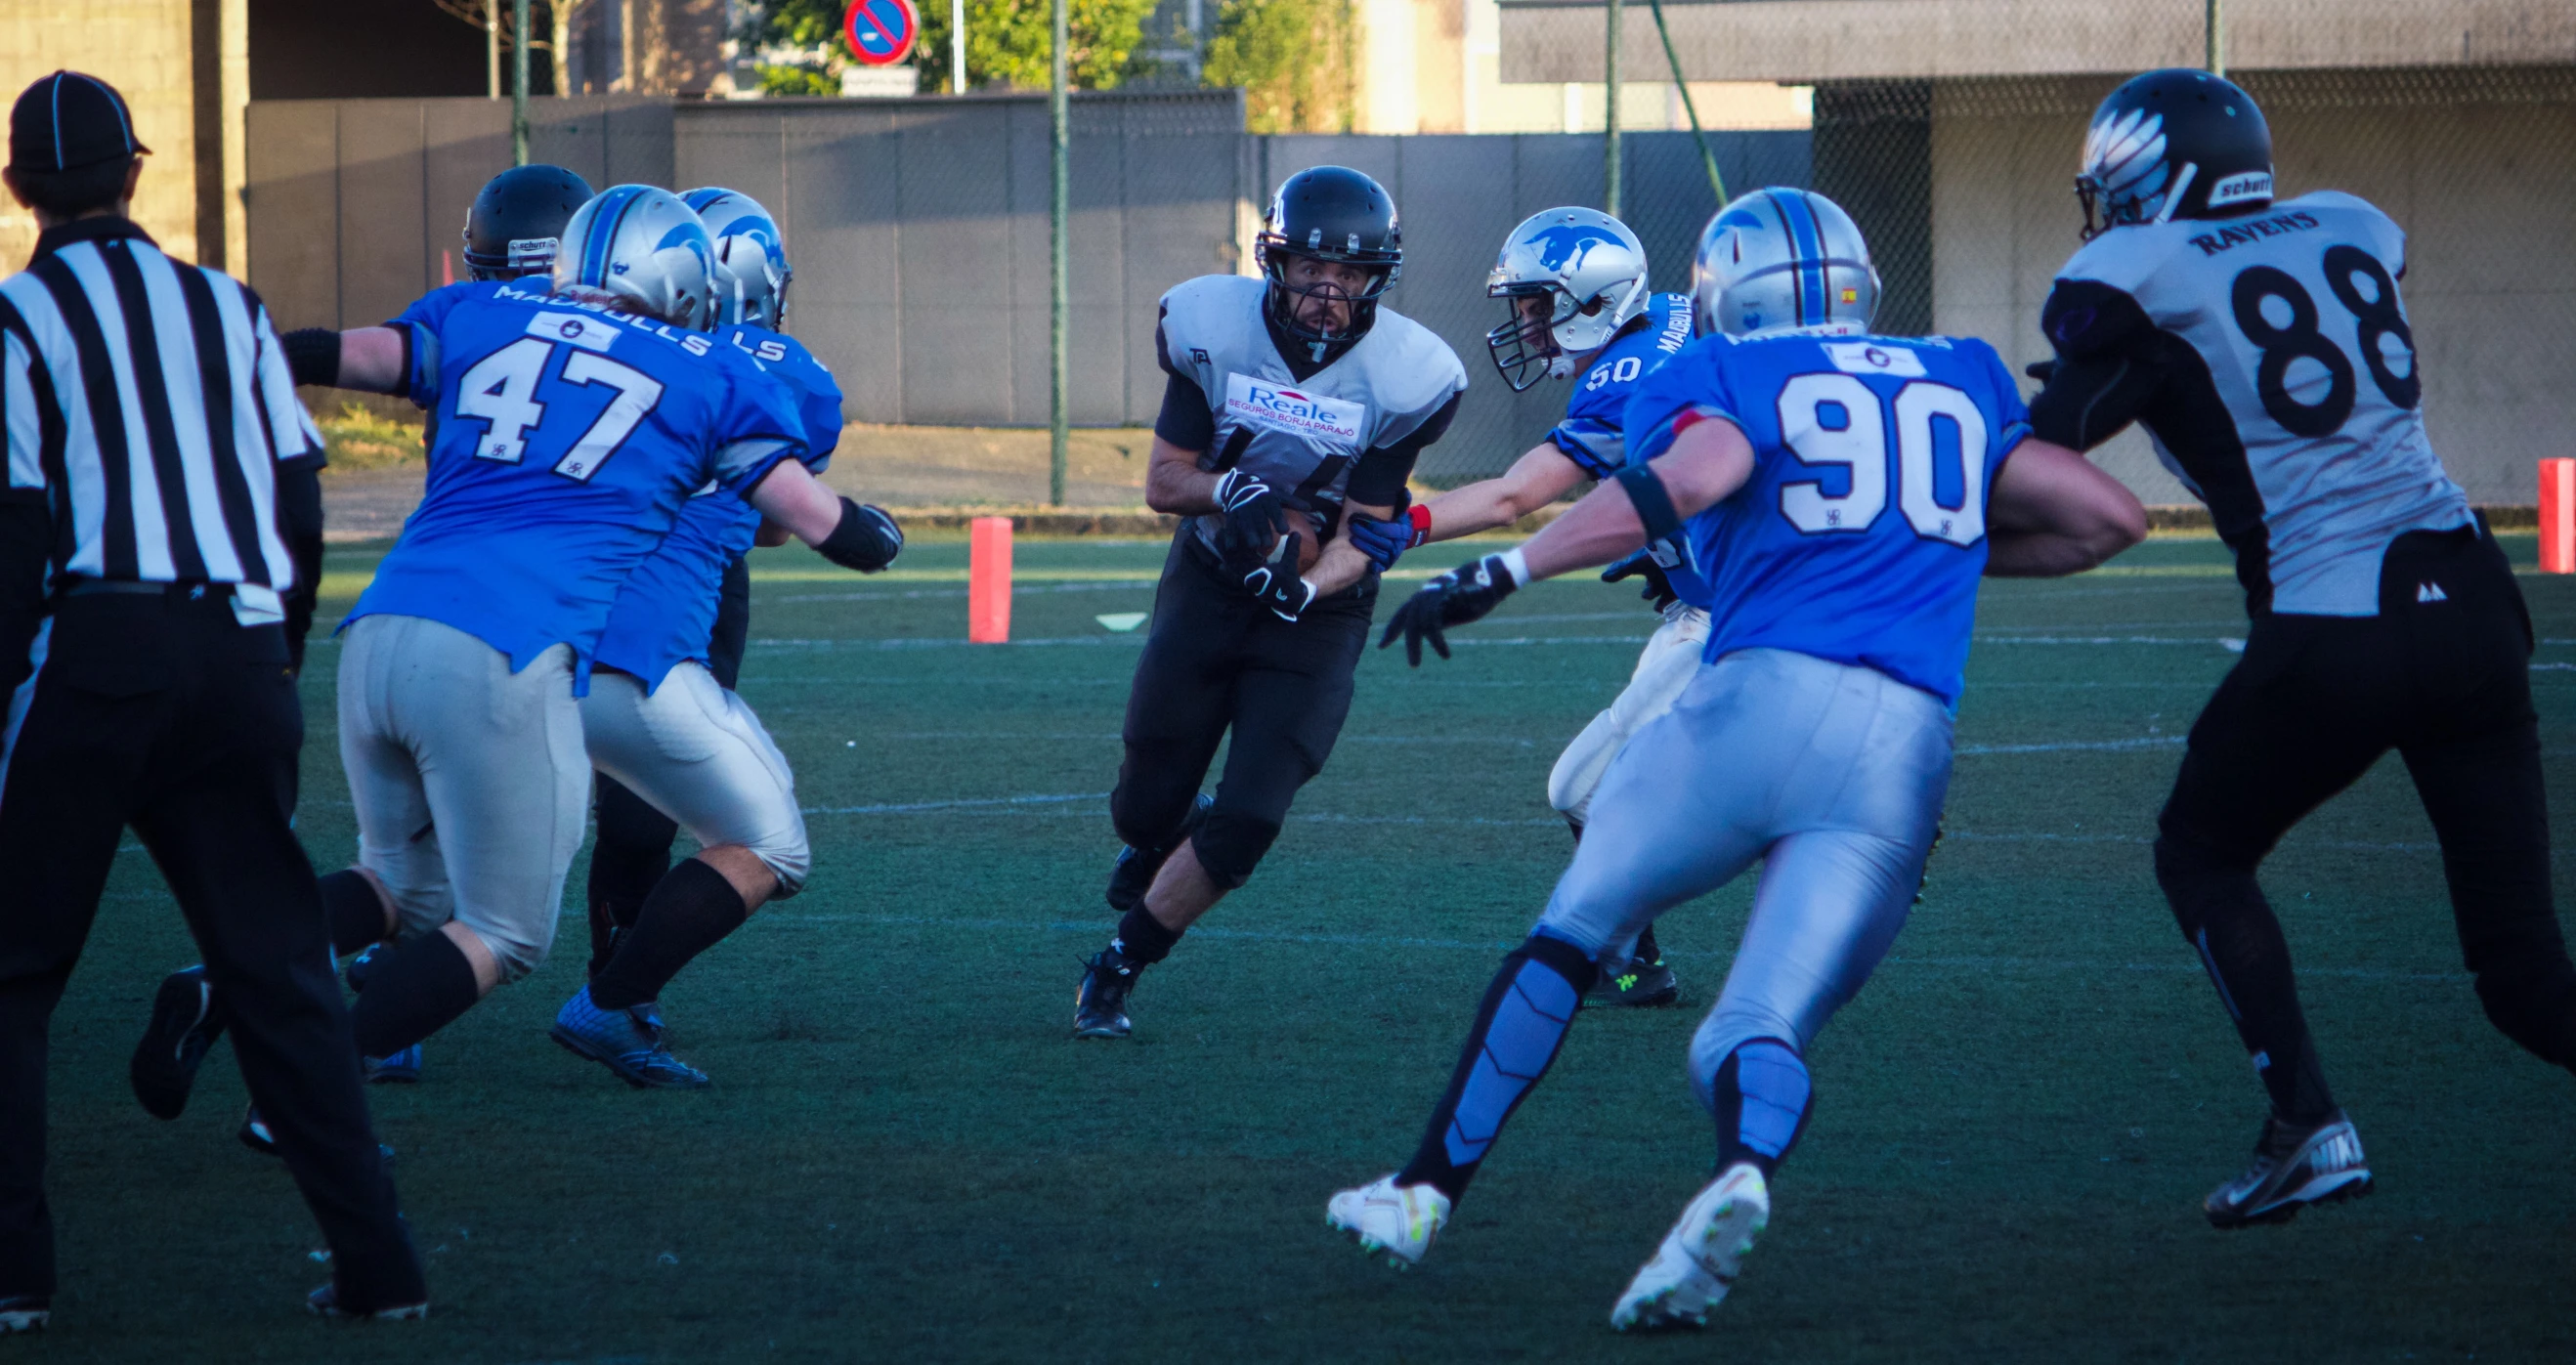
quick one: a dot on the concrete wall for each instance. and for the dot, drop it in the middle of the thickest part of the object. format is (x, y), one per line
(2478, 167)
(183, 66)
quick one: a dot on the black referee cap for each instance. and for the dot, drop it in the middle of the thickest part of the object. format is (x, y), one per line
(67, 120)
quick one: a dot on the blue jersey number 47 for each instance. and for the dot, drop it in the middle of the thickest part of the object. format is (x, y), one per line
(501, 390)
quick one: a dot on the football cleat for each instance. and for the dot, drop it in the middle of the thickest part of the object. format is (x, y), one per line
(1134, 869)
(186, 1020)
(1700, 1258)
(1635, 982)
(325, 1303)
(1100, 1002)
(2293, 1167)
(1395, 1221)
(402, 1068)
(626, 1041)
(25, 1313)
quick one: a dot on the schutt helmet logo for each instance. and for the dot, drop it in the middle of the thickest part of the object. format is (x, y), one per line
(1563, 248)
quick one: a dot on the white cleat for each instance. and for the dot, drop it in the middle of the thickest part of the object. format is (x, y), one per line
(1390, 1220)
(1700, 1257)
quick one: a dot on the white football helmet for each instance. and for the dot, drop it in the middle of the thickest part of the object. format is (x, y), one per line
(1591, 271)
(1782, 260)
(641, 248)
(752, 273)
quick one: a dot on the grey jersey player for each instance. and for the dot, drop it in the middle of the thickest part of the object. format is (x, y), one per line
(2266, 347)
(1293, 408)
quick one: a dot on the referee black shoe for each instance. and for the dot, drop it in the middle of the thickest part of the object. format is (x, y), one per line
(25, 1313)
(1100, 1002)
(186, 1020)
(2293, 1168)
(325, 1303)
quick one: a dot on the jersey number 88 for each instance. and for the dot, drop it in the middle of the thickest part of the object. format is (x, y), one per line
(1834, 419)
(2348, 269)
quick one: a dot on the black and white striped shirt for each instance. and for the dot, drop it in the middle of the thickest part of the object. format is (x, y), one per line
(148, 403)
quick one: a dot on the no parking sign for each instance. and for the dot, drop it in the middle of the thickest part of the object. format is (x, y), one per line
(880, 32)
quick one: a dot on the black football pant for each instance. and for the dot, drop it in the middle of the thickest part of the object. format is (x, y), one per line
(2442, 676)
(1218, 661)
(633, 847)
(157, 710)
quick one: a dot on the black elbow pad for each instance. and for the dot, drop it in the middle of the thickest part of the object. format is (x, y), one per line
(867, 538)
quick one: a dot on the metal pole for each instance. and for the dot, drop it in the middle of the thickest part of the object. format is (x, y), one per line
(1059, 210)
(1610, 129)
(492, 49)
(1707, 157)
(2214, 33)
(518, 82)
(957, 47)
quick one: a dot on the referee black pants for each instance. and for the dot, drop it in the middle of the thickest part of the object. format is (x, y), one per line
(2441, 675)
(159, 711)
(1217, 661)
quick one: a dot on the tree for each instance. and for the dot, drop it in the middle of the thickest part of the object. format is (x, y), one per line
(1293, 60)
(560, 15)
(1008, 43)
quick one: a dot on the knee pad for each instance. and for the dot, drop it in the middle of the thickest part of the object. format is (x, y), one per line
(789, 859)
(1230, 844)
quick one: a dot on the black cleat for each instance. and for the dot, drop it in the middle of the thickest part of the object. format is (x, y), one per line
(325, 1303)
(1133, 872)
(1635, 982)
(1100, 1003)
(2293, 1168)
(25, 1313)
(186, 1020)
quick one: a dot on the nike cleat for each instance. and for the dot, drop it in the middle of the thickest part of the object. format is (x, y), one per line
(1100, 1002)
(186, 1020)
(1635, 982)
(402, 1068)
(626, 1041)
(1700, 1258)
(25, 1313)
(1134, 870)
(2293, 1167)
(1397, 1222)
(325, 1303)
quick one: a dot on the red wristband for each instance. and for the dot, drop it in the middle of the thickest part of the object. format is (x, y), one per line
(1420, 517)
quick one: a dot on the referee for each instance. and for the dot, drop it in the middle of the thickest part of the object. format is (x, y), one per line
(159, 468)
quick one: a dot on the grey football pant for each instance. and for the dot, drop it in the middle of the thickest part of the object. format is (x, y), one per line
(1832, 775)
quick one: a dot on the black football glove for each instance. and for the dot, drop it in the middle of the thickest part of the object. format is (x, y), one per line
(1455, 598)
(1658, 587)
(1254, 515)
(866, 538)
(1278, 586)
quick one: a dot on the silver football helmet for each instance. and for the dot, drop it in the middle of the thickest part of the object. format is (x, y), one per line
(752, 273)
(1572, 278)
(642, 249)
(1782, 260)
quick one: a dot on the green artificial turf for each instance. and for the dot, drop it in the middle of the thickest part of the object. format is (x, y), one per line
(905, 1158)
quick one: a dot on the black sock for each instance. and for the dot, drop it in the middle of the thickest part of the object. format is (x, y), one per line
(1142, 939)
(2240, 942)
(1518, 1030)
(1648, 951)
(1762, 1096)
(690, 910)
(414, 992)
(354, 911)
(627, 860)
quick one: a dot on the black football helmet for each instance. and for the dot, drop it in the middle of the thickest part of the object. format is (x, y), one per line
(2177, 143)
(518, 220)
(1330, 213)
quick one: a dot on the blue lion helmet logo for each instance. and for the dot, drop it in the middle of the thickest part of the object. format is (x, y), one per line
(1563, 248)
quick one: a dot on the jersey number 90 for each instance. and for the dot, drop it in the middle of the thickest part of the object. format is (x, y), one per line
(1834, 419)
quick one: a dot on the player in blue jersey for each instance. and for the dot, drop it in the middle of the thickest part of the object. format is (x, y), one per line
(1844, 492)
(1575, 281)
(673, 743)
(573, 423)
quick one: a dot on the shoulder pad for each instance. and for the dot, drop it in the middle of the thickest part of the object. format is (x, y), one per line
(2087, 318)
(1419, 372)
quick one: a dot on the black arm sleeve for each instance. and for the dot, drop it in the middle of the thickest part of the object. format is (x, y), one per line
(1185, 420)
(299, 524)
(312, 355)
(26, 527)
(2109, 365)
(1378, 479)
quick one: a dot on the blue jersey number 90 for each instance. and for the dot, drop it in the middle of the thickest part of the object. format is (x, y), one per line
(1834, 419)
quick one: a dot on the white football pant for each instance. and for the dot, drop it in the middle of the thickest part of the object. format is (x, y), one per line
(696, 753)
(470, 781)
(1831, 774)
(1664, 667)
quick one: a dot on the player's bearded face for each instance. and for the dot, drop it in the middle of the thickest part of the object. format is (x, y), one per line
(1538, 315)
(1324, 292)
